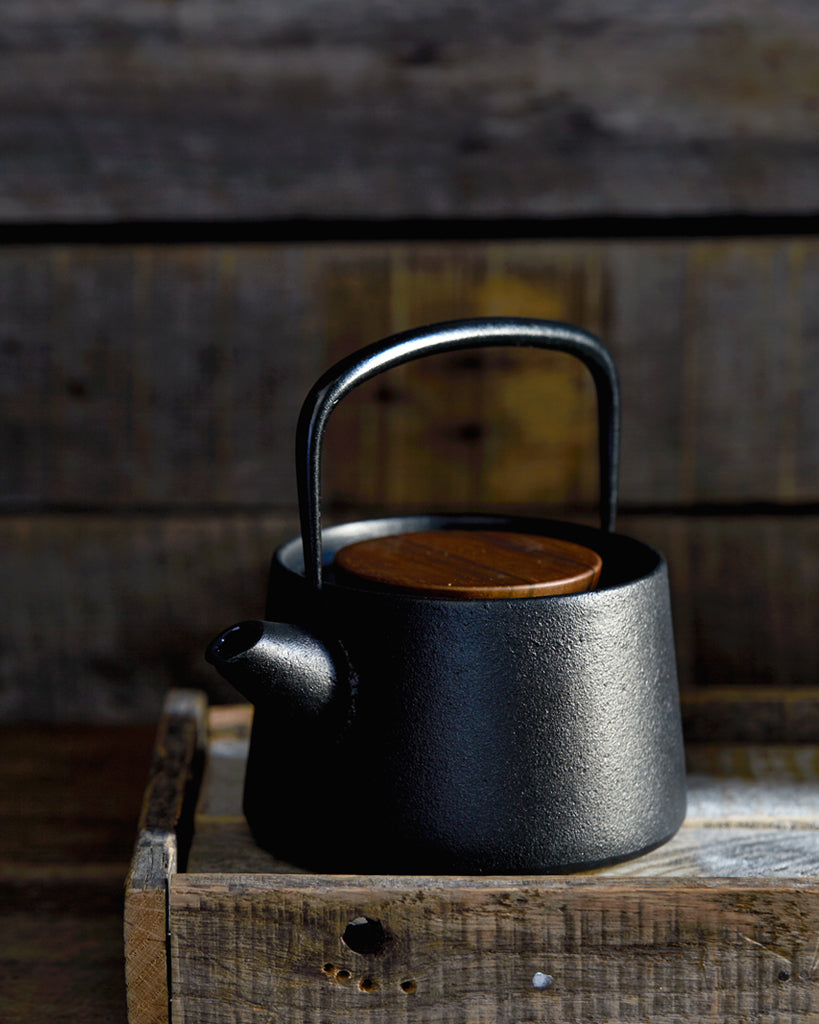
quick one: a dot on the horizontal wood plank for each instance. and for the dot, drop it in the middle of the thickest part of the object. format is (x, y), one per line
(61, 950)
(69, 805)
(104, 614)
(206, 109)
(499, 950)
(172, 377)
(56, 820)
(784, 850)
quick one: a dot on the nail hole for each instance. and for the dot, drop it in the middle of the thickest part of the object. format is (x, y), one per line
(784, 976)
(408, 986)
(368, 984)
(343, 975)
(328, 969)
(803, 975)
(542, 981)
(366, 936)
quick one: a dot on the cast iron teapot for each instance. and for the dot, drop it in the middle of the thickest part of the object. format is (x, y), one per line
(460, 693)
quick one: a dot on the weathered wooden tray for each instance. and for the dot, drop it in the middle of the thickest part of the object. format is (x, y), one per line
(721, 924)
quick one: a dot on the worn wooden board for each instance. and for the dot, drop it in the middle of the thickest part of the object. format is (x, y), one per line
(143, 377)
(61, 947)
(69, 805)
(172, 377)
(161, 850)
(104, 613)
(158, 388)
(666, 940)
(258, 109)
(743, 596)
(476, 949)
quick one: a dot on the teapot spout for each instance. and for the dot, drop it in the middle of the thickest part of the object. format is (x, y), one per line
(277, 666)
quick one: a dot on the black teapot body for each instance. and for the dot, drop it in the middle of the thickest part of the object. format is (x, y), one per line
(398, 732)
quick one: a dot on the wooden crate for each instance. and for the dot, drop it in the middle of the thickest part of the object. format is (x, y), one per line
(721, 924)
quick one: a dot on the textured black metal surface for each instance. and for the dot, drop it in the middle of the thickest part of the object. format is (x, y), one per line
(528, 735)
(409, 734)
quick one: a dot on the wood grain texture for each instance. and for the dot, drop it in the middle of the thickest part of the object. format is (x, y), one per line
(714, 341)
(161, 849)
(52, 821)
(69, 803)
(145, 924)
(137, 377)
(255, 942)
(473, 563)
(741, 596)
(751, 714)
(203, 109)
(172, 377)
(104, 614)
(162, 385)
(61, 947)
(460, 949)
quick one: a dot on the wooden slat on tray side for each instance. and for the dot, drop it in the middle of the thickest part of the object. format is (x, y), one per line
(180, 739)
(145, 929)
(260, 948)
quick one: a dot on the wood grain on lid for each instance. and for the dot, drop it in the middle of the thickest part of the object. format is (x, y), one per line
(473, 563)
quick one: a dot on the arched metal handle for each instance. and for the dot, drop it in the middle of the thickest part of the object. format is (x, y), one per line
(367, 362)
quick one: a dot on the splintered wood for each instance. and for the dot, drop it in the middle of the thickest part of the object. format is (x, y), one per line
(719, 925)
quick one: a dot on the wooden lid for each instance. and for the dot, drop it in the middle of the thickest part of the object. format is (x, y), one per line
(473, 563)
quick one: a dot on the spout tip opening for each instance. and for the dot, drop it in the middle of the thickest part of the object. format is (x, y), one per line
(234, 642)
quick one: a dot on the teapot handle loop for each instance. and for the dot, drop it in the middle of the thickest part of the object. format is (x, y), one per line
(367, 362)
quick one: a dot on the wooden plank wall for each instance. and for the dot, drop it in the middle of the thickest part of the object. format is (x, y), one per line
(160, 320)
(263, 108)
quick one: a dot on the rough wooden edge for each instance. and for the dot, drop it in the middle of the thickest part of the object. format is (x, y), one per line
(233, 884)
(181, 736)
(617, 950)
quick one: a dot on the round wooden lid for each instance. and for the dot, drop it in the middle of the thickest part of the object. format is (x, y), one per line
(473, 563)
